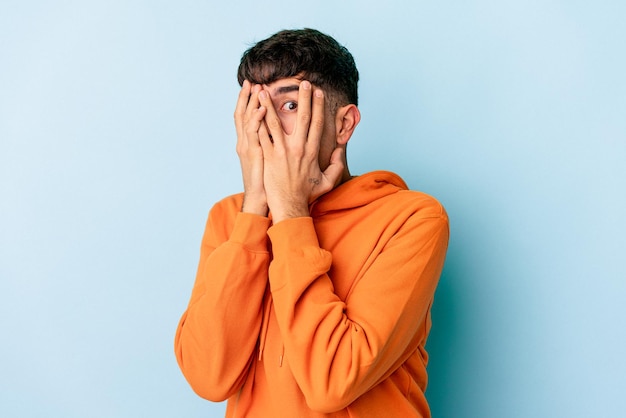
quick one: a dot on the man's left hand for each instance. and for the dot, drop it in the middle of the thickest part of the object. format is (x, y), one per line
(292, 174)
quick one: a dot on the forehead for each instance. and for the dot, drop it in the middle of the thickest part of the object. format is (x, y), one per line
(283, 86)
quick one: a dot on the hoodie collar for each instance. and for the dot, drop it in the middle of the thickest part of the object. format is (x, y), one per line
(358, 191)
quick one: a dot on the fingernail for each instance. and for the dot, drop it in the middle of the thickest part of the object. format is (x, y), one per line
(306, 85)
(263, 95)
(319, 93)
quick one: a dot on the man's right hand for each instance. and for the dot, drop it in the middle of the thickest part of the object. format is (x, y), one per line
(248, 122)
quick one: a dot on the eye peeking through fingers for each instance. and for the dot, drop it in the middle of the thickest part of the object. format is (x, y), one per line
(290, 106)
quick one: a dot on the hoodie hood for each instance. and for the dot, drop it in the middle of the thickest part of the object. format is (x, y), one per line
(358, 191)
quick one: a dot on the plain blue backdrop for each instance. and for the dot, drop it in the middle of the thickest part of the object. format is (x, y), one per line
(116, 137)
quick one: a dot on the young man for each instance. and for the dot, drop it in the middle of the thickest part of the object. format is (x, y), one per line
(314, 287)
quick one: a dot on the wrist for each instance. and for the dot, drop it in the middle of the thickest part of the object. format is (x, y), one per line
(289, 212)
(254, 206)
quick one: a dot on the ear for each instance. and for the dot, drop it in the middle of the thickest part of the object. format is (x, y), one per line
(346, 120)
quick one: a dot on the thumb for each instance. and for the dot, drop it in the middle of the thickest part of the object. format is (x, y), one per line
(334, 170)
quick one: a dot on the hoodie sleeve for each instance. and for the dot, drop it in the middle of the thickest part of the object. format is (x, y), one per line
(216, 336)
(338, 350)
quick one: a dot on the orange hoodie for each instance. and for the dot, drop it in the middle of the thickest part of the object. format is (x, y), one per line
(321, 316)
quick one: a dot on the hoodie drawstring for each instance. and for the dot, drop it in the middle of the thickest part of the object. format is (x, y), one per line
(267, 310)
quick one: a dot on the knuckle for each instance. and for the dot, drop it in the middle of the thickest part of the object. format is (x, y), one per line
(298, 152)
(318, 123)
(305, 117)
(250, 129)
(273, 123)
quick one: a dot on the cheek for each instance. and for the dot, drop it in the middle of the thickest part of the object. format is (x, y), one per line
(288, 122)
(328, 143)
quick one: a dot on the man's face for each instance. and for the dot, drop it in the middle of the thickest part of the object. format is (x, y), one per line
(284, 95)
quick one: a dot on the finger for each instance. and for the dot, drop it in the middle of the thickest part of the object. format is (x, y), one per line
(240, 108)
(252, 118)
(316, 127)
(303, 119)
(265, 139)
(334, 171)
(272, 121)
(253, 125)
(253, 102)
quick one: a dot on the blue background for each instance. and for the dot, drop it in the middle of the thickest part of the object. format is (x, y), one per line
(116, 137)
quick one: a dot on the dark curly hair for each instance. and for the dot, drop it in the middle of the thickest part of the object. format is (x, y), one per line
(307, 54)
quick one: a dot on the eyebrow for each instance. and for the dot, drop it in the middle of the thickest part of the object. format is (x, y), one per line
(286, 89)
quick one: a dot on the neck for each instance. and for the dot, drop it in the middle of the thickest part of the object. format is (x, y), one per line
(346, 175)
